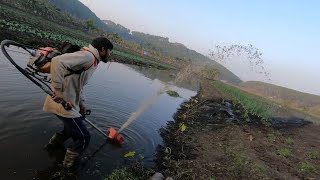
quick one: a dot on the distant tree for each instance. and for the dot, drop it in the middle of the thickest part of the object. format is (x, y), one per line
(90, 24)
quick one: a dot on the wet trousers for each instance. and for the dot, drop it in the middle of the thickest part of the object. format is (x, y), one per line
(75, 129)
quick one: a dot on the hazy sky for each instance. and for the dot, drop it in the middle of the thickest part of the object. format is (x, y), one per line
(286, 31)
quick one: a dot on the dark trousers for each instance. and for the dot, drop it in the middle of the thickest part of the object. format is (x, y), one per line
(75, 129)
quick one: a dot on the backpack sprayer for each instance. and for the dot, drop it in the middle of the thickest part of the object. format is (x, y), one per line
(39, 64)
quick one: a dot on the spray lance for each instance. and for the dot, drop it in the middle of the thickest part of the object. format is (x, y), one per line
(113, 135)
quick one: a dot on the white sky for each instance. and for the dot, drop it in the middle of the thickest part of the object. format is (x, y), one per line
(287, 32)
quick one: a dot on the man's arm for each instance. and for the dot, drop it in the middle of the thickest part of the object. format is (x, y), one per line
(82, 97)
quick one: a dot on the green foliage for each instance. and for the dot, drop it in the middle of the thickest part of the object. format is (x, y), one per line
(141, 59)
(182, 127)
(31, 25)
(44, 9)
(141, 157)
(314, 155)
(38, 27)
(130, 154)
(173, 93)
(183, 116)
(271, 137)
(304, 99)
(289, 141)
(121, 174)
(19, 27)
(253, 104)
(285, 152)
(306, 167)
(303, 102)
(90, 24)
(259, 168)
(134, 172)
(238, 157)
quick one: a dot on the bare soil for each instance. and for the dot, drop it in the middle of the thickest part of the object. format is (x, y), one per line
(219, 144)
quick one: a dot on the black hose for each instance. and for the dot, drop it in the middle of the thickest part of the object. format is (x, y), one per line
(46, 89)
(7, 43)
(66, 105)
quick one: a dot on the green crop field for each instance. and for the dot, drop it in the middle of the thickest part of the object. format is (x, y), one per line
(142, 60)
(30, 25)
(253, 104)
(25, 28)
(21, 21)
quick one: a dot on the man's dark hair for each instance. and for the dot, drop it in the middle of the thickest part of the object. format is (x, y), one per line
(101, 42)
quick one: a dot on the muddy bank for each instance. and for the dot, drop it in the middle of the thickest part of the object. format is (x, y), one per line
(124, 60)
(218, 142)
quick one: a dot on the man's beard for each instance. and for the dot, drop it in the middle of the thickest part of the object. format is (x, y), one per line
(104, 59)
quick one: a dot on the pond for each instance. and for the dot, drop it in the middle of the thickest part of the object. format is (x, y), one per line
(113, 93)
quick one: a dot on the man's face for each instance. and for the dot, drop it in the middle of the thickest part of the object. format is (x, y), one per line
(105, 54)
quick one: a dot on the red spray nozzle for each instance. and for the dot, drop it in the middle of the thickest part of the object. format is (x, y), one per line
(115, 136)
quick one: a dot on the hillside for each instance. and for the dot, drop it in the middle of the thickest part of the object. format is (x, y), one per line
(44, 9)
(180, 51)
(161, 44)
(77, 9)
(18, 24)
(293, 98)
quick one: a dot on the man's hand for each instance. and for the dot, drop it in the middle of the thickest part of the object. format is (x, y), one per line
(58, 95)
(82, 109)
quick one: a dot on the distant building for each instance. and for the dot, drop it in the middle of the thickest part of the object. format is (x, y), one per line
(144, 53)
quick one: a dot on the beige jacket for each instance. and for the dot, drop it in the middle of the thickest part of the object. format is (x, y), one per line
(71, 86)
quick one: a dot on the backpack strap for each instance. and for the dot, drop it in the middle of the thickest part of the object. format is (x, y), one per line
(79, 71)
(95, 63)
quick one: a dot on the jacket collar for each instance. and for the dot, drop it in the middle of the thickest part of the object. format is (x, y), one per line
(94, 51)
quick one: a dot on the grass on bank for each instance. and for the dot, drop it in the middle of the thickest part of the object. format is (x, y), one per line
(306, 167)
(289, 141)
(285, 152)
(271, 137)
(140, 59)
(130, 173)
(251, 103)
(314, 155)
(121, 174)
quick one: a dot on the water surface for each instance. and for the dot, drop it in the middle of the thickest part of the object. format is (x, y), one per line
(112, 95)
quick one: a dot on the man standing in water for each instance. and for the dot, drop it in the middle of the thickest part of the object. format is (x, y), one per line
(70, 72)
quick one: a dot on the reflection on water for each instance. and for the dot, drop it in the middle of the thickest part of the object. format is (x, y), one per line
(166, 76)
(112, 95)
